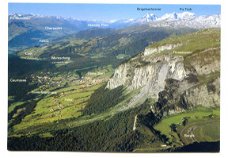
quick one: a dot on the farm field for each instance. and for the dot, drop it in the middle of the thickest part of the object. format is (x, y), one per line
(202, 124)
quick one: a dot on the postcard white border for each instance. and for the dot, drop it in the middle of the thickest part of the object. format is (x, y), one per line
(4, 88)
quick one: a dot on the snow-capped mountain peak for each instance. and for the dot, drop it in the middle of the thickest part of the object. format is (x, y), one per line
(181, 19)
(150, 17)
(186, 15)
(169, 16)
(177, 16)
(20, 16)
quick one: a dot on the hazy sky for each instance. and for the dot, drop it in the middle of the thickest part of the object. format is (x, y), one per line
(105, 11)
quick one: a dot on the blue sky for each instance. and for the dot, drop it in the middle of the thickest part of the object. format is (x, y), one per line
(105, 11)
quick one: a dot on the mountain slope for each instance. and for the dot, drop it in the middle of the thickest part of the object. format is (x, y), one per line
(181, 69)
(179, 80)
(23, 26)
(182, 19)
(169, 88)
(97, 47)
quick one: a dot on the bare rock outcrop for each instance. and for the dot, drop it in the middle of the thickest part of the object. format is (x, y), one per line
(197, 76)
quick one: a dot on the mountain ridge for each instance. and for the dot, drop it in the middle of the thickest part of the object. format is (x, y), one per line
(147, 18)
(157, 71)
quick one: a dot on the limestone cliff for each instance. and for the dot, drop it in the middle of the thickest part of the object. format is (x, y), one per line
(176, 79)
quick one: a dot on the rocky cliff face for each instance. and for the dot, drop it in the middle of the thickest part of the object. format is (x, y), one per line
(149, 51)
(148, 74)
(177, 81)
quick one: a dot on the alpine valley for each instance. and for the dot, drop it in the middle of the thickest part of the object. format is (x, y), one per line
(149, 84)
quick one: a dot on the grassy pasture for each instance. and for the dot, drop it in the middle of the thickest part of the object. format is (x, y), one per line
(68, 104)
(201, 40)
(194, 115)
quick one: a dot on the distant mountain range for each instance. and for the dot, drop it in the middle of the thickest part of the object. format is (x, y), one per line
(183, 19)
(26, 30)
